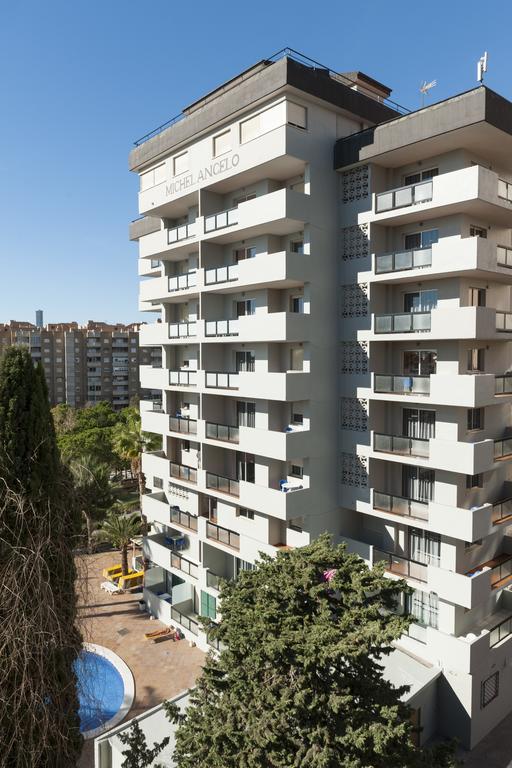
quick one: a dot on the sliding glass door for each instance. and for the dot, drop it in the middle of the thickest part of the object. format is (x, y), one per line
(418, 483)
(419, 423)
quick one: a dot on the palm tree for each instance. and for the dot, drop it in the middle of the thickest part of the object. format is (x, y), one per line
(91, 492)
(119, 529)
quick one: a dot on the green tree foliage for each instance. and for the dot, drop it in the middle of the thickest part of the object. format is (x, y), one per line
(138, 754)
(92, 492)
(119, 529)
(64, 418)
(38, 634)
(130, 442)
(91, 435)
(299, 682)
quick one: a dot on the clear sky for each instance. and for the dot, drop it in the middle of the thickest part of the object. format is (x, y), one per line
(81, 79)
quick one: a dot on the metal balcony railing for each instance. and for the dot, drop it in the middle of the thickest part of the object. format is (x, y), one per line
(505, 190)
(504, 322)
(221, 328)
(501, 510)
(184, 519)
(504, 384)
(220, 380)
(222, 484)
(182, 330)
(401, 566)
(400, 505)
(403, 446)
(182, 232)
(500, 632)
(501, 571)
(403, 322)
(182, 564)
(401, 385)
(404, 196)
(182, 282)
(416, 258)
(185, 621)
(221, 220)
(222, 432)
(180, 424)
(183, 378)
(503, 448)
(182, 472)
(504, 256)
(221, 274)
(222, 535)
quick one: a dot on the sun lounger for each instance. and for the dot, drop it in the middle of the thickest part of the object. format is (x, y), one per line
(114, 570)
(168, 633)
(133, 579)
(108, 586)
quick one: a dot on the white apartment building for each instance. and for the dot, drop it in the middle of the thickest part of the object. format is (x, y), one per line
(335, 345)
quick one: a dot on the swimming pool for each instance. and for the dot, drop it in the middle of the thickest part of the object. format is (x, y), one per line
(105, 689)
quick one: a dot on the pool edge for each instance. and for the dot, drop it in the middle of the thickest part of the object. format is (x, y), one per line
(128, 693)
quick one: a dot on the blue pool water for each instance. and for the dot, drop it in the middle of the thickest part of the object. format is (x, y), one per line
(100, 690)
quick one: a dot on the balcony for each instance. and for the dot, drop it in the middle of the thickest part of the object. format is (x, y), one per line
(183, 378)
(222, 484)
(403, 322)
(182, 472)
(499, 570)
(500, 632)
(161, 547)
(213, 581)
(402, 567)
(181, 232)
(402, 446)
(392, 384)
(267, 385)
(399, 505)
(152, 377)
(399, 261)
(224, 432)
(153, 334)
(221, 328)
(185, 519)
(221, 220)
(155, 507)
(503, 322)
(503, 384)
(181, 563)
(183, 330)
(168, 243)
(502, 511)
(282, 269)
(222, 535)
(182, 282)
(218, 275)
(182, 425)
(221, 380)
(155, 464)
(503, 449)
(154, 421)
(403, 197)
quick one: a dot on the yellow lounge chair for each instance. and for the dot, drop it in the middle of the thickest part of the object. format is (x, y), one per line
(161, 634)
(133, 579)
(114, 570)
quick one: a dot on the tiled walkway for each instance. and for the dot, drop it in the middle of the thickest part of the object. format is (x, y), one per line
(160, 670)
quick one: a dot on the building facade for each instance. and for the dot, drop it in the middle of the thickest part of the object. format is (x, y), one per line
(83, 365)
(335, 343)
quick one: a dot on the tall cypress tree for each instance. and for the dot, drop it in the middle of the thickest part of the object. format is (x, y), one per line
(38, 632)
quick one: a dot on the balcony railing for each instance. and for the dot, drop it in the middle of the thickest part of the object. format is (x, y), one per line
(223, 535)
(416, 258)
(504, 322)
(182, 564)
(221, 328)
(221, 274)
(404, 196)
(223, 484)
(403, 322)
(182, 282)
(185, 519)
(501, 510)
(182, 330)
(180, 424)
(502, 571)
(500, 632)
(212, 580)
(182, 232)
(403, 446)
(505, 190)
(222, 432)
(221, 220)
(221, 380)
(182, 472)
(503, 384)
(184, 620)
(400, 505)
(401, 566)
(503, 448)
(504, 256)
(183, 378)
(401, 385)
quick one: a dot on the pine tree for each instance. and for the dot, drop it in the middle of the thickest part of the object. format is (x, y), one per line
(138, 754)
(38, 634)
(299, 681)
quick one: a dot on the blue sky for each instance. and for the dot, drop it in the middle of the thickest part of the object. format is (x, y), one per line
(80, 80)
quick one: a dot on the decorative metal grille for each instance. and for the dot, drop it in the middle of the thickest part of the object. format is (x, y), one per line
(355, 184)
(354, 414)
(354, 357)
(354, 470)
(354, 242)
(354, 300)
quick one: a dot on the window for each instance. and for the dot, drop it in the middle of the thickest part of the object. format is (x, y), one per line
(490, 689)
(423, 607)
(297, 246)
(476, 360)
(152, 178)
(221, 143)
(263, 122)
(475, 231)
(246, 307)
(474, 481)
(414, 178)
(421, 239)
(240, 254)
(297, 304)
(419, 362)
(296, 115)
(158, 482)
(212, 510)
(297, 471)
(297, 418)
(296, 359)
(244, 198)
(185, 445)
(245, 361)
(245, 414)
(418, 423)
(243, 565)
(208, 605)
(245, 467)
(244, 512)
(477, 297)
(424, 546)
(420, 301)
(180, 164)
(475, 418)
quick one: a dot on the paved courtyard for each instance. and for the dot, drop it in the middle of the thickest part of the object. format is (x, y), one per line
(494, 751)
(161, 670)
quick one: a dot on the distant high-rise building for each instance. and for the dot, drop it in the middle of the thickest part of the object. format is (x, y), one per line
(39, 318)
(84, 364)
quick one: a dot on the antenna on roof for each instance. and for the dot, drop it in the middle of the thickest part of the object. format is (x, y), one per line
(425, 88)
(481, 67)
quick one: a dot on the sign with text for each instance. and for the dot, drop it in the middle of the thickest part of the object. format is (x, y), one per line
(208, 172)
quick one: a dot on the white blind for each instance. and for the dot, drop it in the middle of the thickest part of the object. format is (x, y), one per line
(297, 115)
(222, 143)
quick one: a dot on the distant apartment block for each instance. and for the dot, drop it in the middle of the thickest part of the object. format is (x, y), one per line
(85, 364)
